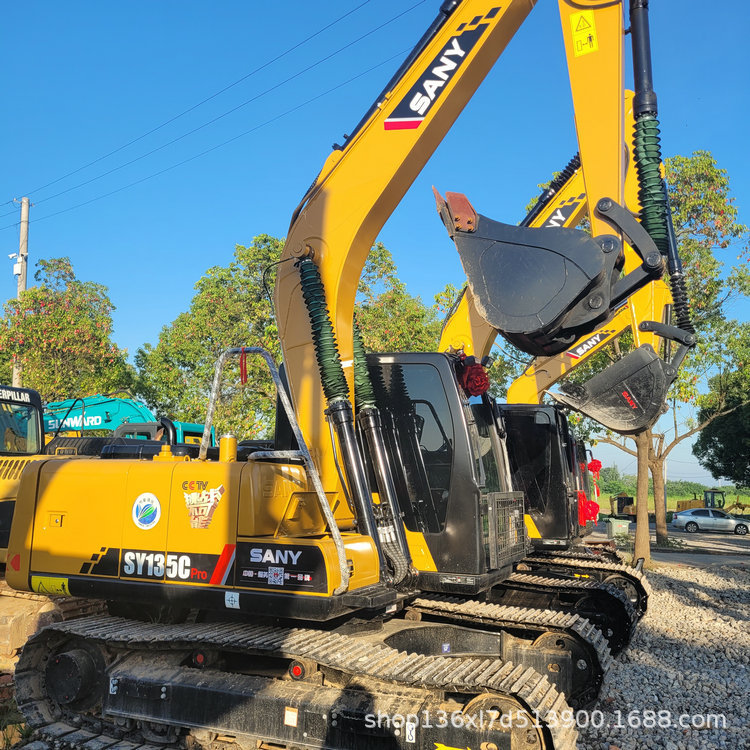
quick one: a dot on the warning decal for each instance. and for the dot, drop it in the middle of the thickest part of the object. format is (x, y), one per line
(584, 33)
(50, 585)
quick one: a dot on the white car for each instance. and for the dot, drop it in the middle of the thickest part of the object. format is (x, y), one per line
(709, 519)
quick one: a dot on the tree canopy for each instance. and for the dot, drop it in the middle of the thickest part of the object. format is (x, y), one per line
(59, 331)
(231, 308)
(723, 446)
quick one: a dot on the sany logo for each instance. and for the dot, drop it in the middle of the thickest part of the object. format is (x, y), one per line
(589, 344)
(561, 215)
(630, 400)
(278, 557)
(412, 109)
(441, 72)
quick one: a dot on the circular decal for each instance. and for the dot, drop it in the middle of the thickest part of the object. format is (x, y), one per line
(146, 511)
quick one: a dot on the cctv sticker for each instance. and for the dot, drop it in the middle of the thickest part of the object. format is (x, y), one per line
(146, 511)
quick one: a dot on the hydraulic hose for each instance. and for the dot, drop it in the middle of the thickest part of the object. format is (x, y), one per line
(387, 513)
(364, 395)
(567, 172)
(336, 391)
(324, 340)
(656, 215)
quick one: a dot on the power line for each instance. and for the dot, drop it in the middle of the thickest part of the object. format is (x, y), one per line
(202, 102)
(229, 111)
(219, 145)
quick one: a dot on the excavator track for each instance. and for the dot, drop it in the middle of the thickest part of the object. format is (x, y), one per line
(23, 613)
(602, 604)
(602, 551)
(546, 634)
(631, 582)
(107, 683)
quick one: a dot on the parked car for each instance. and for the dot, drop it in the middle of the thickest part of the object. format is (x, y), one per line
(705, 519)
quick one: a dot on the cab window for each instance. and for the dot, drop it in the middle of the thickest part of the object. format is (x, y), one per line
(19, 429)
(414, 396)
(491, 471)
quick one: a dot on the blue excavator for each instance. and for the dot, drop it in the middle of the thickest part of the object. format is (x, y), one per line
(116, 415)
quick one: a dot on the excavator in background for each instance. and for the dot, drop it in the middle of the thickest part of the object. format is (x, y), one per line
(547, 462)
(115, 415)
(128, 426)
(713, 498)
(362, 569)
(23, 613)
(22, 434)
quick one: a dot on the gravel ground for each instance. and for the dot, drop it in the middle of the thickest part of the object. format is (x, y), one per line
(688, 659)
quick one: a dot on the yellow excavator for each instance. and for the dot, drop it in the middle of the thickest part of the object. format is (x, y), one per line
(355, 585)
(23, 613)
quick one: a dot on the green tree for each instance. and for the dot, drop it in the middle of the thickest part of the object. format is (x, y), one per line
(229, 309)
(723, 446)
(59, 331)
(391, 319)
(610, 481)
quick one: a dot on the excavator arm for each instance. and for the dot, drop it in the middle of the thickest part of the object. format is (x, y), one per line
(564, 204)
(362, 181)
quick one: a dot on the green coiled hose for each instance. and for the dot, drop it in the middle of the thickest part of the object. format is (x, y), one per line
(651, 192)
(364, 395)
(324, 340)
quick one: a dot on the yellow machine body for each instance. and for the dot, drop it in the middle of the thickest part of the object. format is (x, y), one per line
(170, 520)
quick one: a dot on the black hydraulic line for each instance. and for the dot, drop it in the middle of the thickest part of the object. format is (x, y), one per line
(677, 282)
(336, 391)
(340, 414)
(387, 512)
(554, 187)
(656, 215)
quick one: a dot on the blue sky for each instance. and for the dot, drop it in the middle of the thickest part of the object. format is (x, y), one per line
(82, 79)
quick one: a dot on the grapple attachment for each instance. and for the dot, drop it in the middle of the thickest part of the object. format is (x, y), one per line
(542, 289)
(630, 395)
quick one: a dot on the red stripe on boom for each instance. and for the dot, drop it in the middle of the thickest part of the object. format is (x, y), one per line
(402, 124)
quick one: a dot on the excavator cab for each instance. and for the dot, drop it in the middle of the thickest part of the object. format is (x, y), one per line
(450, 472)
(542, 464)
(20, 422)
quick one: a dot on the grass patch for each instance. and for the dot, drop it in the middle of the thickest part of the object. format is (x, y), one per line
(13, 728)
(672, 543)
(624, 542)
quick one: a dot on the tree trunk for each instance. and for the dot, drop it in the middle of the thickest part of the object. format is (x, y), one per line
(660, 505)
(642, 535)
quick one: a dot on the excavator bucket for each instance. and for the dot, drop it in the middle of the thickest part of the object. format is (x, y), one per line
(543, 288)
(628, 396)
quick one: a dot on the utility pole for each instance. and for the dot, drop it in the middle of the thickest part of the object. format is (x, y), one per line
(19, 269)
